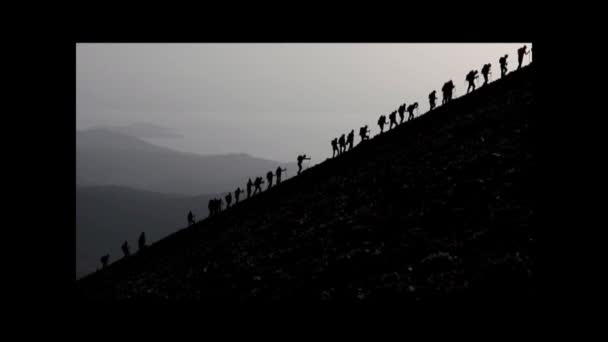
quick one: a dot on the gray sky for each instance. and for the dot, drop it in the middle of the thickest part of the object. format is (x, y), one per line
(269, 100)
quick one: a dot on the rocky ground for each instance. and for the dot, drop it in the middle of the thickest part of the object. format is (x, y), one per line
(440, 208)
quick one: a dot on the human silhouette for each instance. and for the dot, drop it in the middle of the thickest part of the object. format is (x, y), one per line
(393, 119)
(104, 260)
(211, 207)
(471, 77)
(228, 198)
(258, 185)
(485, 71)
(278, 174)
(503, 65)
(249, 185)
(410, 110)
(432, 99)
(237, 194)
(401, 111)
(447, 89)
(126, 249)
(363, 133)
(342, 143)
(269, 176)
(141, 242)
(301, 158)
(520, 55)
(220, 203)
(350, 139)
(381, 122)
(334, 145)
(190, 218)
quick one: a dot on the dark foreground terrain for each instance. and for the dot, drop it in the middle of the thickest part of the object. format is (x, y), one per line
(440, 208)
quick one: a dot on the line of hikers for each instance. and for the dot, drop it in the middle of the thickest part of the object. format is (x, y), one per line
(126, 249)
(346, 143)
(253, 187)
(339, 145)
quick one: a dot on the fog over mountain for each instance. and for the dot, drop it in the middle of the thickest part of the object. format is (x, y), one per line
(104, 157)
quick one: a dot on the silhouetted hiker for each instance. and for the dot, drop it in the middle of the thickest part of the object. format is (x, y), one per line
(485, 71)
(363, 133)
(350, 139)
(342, 143)
(126, 249)
(278, 173)
(447, 89)
(258, 185)
(228, 200)
(503, 65)
(401, 111)
(432, 99)
(520, 55)
(141, 242)
(249, 185)
(471, 77)
(269, 176)
(393, 119)
(410, 110)
(190, 218)
(300, 160)
(211, 206)
(104, 260)
(334, 145)
(381, 122)
(216, 206)
(237, 194)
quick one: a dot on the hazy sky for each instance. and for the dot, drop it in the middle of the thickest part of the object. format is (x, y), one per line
(268, 100)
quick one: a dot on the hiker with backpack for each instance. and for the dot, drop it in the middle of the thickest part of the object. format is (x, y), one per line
(258, 185)
(381, 122)
(401, 111)
(520, 55)
(485, 71)
(334, 146)
(301, 158)
(447, 89)
(471, 77)
(503, 65)
(350, 139)
(393, 120)
(342, 144)
(363, 133)
(269, 176)
(410, 110)
(432, 99)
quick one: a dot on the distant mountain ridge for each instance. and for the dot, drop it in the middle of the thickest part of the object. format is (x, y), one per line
(104, 157)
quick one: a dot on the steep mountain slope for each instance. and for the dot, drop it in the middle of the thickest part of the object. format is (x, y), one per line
(104, 157)
(438, 208)
(106, 216)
